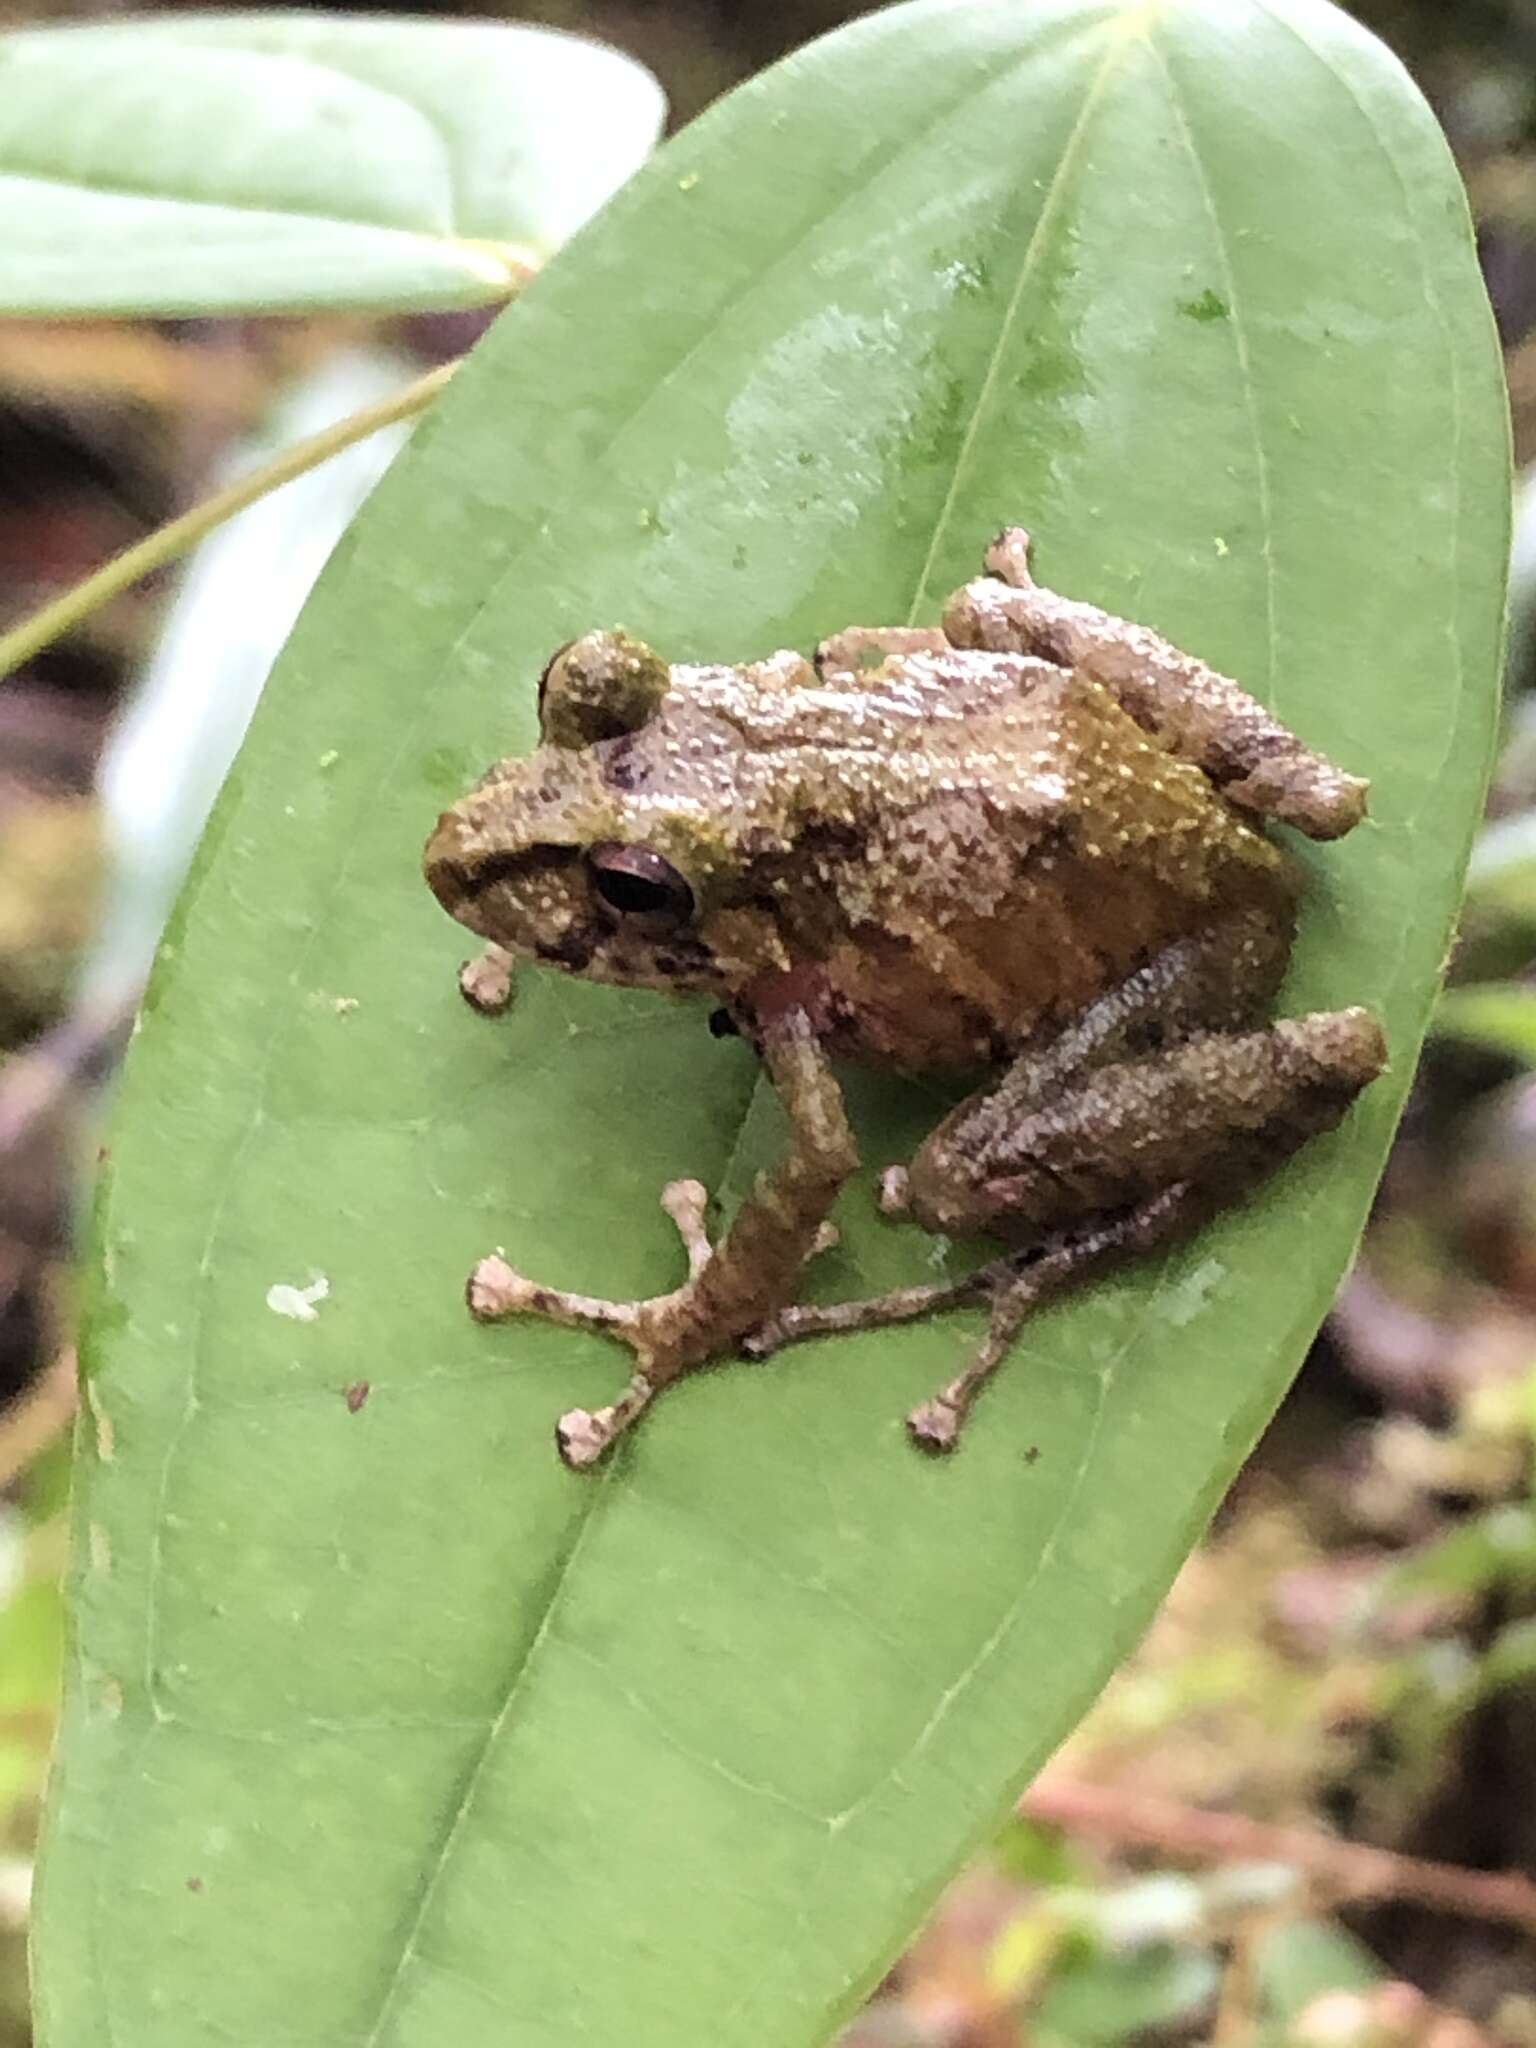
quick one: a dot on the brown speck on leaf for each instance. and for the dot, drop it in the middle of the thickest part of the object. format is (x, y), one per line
(194, 1884)
(1031, 1456)
(356, 1395)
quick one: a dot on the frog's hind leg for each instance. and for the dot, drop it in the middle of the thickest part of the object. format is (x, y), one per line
(850, 657)
(1012, 1288)
(1199, 714)
(1131, 1154)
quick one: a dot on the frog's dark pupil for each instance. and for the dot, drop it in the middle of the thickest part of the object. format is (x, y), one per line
(638, 883)
(629, 892)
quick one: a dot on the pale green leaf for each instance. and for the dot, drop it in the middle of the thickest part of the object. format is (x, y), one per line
(262, 162)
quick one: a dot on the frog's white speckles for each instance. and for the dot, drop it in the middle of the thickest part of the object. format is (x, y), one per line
(299, 1304)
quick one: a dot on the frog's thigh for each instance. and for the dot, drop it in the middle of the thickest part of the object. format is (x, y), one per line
(1220, 979)
(1218, 1111)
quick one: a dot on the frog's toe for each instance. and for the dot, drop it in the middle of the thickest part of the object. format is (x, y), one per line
(494, 1290)
(934, 1426)
(582, 1435)
(687, 1203)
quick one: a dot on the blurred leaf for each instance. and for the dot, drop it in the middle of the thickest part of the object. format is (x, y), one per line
(1501, 876)
(1031, 1853)
(383, 1727)
(1510, 1659)
(1300, 1960)
(31, 1645)
(1499, 1016)
(1106, 1999)
(1488, 1550)
(263, 162)
(170, 750)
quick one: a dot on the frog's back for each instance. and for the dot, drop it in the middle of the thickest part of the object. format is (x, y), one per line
(1048, 848)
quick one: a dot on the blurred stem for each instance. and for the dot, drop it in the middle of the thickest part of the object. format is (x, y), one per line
(178, 536)
(1341, 1870)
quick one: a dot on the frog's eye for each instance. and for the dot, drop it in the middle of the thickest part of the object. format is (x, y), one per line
(638, 883)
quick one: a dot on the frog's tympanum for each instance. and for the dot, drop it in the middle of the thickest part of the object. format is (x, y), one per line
(1029, 841)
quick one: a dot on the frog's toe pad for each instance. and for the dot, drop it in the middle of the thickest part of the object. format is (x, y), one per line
(494, 1290)
(582, 1436)
(934, 1426)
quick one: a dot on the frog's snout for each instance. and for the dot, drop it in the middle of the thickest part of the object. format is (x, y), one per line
(449, 874)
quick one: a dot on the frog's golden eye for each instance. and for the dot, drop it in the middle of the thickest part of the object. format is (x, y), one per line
(635, 882)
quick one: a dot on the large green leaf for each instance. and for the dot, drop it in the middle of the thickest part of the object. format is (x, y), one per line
(261, 162)
(385, 1729)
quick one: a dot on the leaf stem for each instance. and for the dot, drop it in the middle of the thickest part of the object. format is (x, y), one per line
(177, 536)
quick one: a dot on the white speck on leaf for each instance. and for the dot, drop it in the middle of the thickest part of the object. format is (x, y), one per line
(1181, 1303)
(298, 1302)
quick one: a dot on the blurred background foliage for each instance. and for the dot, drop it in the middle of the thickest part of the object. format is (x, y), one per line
(1306, 1811)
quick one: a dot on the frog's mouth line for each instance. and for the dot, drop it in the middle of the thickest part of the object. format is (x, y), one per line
(455, 881)
(600, 942)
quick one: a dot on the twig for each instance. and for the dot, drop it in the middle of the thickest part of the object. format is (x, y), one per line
(1345, 1869)
(174, 539)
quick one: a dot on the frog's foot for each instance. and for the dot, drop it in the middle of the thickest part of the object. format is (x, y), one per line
(1008, 558)
(848, 657)
(485, 982)
(1012, 1288)
(650, 1327)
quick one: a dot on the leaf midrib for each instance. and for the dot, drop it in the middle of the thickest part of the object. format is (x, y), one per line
(587, 1520)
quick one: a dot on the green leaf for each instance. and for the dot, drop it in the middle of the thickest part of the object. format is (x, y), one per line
(199, 164)
(1500, 1016)
(1105, 1998)
(382, 1727)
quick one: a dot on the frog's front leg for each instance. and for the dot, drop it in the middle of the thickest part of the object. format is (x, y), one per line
(732, 1287)
(1200, 715)
(1132, 1154)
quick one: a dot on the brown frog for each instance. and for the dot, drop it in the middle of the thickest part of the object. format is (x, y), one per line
(1029, 839)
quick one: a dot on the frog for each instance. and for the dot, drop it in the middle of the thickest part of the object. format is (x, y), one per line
(1031, 845)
